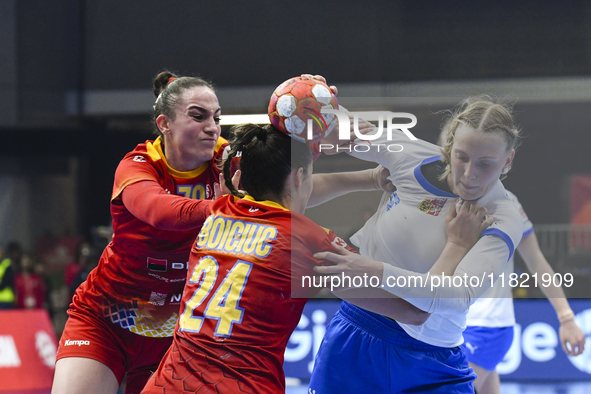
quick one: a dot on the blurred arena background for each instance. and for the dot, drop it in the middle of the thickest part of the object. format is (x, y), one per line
(75, 95)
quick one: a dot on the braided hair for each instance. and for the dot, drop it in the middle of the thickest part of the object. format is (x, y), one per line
(267, 157)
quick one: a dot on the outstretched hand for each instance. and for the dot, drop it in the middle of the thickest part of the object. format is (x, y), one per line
(220, 189)
(323, 80)
(381, 181)
(464, 224)
(349, 264)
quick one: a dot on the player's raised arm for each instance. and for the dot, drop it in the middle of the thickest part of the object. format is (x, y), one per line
(331, 185)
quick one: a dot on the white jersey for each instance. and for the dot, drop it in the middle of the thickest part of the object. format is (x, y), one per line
(408, 234)
(495, 307)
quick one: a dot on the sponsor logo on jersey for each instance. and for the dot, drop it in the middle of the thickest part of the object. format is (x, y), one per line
(157, 264)
(167, 280)
(180, 266)
(140, 159)
(338, 241)
(471, 348)
(432, 206)
(176, 299)
(157, 299)
(393, 200)
(70, 342)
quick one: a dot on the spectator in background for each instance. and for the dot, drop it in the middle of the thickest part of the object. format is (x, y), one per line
(7, 267)
(87, 261)
(29, 285)
(81, 257)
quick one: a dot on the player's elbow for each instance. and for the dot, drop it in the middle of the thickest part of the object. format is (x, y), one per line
(417, 318)
(414, 316)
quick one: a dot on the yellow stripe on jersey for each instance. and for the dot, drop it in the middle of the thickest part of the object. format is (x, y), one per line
(156, 153)
(218, 145)
(155, 149)
(267, 203)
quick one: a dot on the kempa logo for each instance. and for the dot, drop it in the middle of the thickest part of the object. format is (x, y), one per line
(70, 342)
(345, 127)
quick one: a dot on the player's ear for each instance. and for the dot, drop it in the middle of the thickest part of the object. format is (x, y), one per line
(162, 123)
(298, 177)
(510, 158)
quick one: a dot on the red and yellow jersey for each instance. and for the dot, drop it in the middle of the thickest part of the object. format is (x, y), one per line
(239, 308)
(140, 277)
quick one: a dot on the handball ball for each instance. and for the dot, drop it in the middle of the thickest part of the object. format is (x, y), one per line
(298, 100)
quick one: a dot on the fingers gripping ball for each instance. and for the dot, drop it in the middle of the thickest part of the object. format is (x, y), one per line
(298, 102)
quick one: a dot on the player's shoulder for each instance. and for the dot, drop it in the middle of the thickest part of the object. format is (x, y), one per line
(505, 208)
(221, 148)
(507, 217)
(421, 150)
(146, 152)
(411, 160)
(304, 228)
(512, 196)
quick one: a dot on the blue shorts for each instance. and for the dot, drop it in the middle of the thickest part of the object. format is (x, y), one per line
(363, 352)
(487, 346)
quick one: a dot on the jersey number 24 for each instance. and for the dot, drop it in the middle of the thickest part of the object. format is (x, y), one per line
(224, 305)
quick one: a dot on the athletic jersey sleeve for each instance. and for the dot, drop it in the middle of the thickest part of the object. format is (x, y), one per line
(135, 167)
(308, 238)
(473, 276)
(394, 150)
(149, 202)
(528, 226)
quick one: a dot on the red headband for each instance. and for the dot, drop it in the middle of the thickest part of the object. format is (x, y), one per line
(170, 80)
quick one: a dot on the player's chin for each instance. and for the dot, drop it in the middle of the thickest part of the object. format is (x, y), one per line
(470, 196)
(204, 153)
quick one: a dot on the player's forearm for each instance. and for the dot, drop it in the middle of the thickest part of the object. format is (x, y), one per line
(554, 294)
(147, 201)
(450, 294)
(534, 259)
(332, 185)
(449, 259)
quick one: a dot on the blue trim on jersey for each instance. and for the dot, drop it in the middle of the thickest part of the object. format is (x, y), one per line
(528, 232)
(504, 236)
(425, 183)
